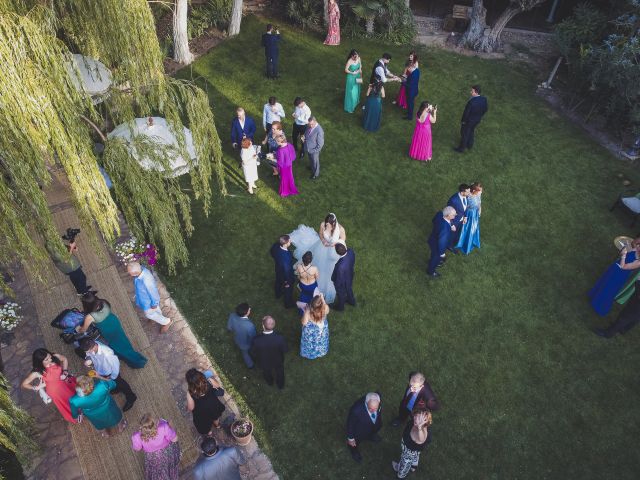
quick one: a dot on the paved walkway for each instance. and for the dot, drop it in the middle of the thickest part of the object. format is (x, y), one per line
(75, 452)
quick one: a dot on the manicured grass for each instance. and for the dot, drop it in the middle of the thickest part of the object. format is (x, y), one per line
(527, 391)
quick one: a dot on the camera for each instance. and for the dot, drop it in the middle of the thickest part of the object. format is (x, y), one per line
(71, 234)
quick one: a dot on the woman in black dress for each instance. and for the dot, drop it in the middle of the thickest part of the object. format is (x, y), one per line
(202, 400)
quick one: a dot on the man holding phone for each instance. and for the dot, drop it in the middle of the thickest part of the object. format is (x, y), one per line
(270, 42)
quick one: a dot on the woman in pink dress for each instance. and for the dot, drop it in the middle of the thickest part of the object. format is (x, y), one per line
(410, 65)
(50, 369)
(333, 35)
(421, 142)
(285, 156)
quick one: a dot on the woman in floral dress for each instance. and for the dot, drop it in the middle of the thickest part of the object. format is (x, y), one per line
(315, 329)
(333, 35)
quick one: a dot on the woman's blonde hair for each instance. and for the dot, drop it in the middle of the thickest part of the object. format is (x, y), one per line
(85, 384)
(317, 309)
(148, 426)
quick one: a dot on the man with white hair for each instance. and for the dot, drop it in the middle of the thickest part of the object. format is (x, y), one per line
(440, 239)
(363, 423)
(147, 295)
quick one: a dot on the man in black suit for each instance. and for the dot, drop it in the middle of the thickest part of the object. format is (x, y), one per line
(459, 202)
(342, 277)
(363, 423)
(268, 349)
(284, 269)
(474, 110)
(418, 391)
(440, 239)
(270, 41)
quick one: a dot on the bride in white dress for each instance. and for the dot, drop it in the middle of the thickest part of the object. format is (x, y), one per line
(321, 244)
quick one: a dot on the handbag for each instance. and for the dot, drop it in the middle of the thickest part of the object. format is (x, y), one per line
(358, 80)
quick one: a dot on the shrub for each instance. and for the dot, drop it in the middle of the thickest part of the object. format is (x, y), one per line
(307, 14)
(214, 13)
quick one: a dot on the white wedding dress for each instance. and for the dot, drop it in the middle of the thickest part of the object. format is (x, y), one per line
(306, 239)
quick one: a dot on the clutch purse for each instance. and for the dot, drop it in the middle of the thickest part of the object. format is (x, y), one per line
(358, 80)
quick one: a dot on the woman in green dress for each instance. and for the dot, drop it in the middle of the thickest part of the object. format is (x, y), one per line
(373, 106)
(95, 403)
(353, 69)
(99, 312)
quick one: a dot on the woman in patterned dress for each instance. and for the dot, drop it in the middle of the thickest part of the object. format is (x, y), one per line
(315, 329)
(159, 442)
(333, 12)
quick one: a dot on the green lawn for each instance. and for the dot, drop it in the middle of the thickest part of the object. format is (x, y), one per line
(527, 391)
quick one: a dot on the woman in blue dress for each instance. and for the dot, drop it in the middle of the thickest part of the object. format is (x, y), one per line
(373, 106)
(315, 329)
(614, 278)
(308, 276)
(470, 234)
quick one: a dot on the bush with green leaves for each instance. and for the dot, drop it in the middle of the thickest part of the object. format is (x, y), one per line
(214, 13)
(308, 14)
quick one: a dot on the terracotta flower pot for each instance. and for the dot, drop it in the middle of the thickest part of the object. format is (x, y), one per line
(242, 431)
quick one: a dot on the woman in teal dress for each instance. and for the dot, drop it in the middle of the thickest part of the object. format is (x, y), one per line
(353, 69)
(315, 329)
(99, 312)
(373, 106)
(95, 403)
(470, 234)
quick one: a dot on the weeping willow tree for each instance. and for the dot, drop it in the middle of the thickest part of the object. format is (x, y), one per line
(45, 121)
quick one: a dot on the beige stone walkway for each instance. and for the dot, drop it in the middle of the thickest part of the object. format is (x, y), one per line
(77, 451)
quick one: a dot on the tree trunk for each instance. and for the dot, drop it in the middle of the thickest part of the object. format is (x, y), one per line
(370, 25)
(181, 52)
(408, 4)
(477, 25)
(326, 13)
(490, 40)
(236, 18)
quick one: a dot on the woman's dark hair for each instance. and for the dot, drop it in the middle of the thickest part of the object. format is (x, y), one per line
(307, 258)
(38, 356)
(197, 382)
(475, 186)
(376, 86)
(92, 303)
(423, 106)
(352, 53)
(297, 101)
(415, 57)
(331, 220)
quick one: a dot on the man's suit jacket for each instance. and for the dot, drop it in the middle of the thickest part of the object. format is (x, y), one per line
(474, 110)
(270, 43)
(243, 330)
(425, 394)
(440, 237)
(283, 263)
(238, 133)
(268, 350)
(342, 276)
(313, 140)
(461, 212)
(359, 424)
(413, 79)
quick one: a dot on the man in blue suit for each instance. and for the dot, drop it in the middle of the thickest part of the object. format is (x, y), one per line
(474, 110)
(284, 269)
(242, 127)
(342, 277)
(411, 87)
(270, 42)
(459, 202)
(440, 239)
(363, 423)
(243, 331)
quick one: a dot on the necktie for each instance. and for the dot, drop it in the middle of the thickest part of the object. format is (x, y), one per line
(373, 417)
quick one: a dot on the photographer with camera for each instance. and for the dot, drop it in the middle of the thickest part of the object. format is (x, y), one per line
(69, 263)
(270, 41)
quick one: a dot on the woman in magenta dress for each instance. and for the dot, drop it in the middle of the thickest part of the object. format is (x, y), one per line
(333, 12)
(410, 65)
(421, 142)
(285, 156)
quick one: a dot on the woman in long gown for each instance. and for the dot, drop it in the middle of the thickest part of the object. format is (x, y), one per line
(421, 143)
(50, 369)
(410, 65)
(99, 312)
(353, 69)
(285, 156)
(373, 106)
(321, 244)
(470, 234)
(614, 278)
(314, 342)
(308, 280)
(249, 164)
(202, 400)
(333, 34)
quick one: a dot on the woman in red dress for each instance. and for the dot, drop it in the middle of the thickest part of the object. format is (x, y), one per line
(50, 369)
(333, 35)
(410, 65)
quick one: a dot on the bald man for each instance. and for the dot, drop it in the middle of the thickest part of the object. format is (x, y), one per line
(268, 349)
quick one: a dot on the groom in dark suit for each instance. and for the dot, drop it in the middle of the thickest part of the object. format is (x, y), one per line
(440, 239)
(283, 269)
(270, 42)
(474, 110)
(342, 277)
(459, 202)
(411, 87)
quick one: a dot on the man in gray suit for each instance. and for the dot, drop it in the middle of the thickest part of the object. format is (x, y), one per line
(218, 463)
(243, 331)
(313, 143)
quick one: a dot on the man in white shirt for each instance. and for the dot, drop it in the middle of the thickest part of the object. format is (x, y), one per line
(107, 367)
(381, 71)
(301, 115)
(272, 112)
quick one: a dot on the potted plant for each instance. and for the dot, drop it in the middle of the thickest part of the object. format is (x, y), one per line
(242, 430)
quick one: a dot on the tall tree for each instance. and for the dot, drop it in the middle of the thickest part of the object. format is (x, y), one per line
(236, 18)
(16, 427)
(181, 52)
